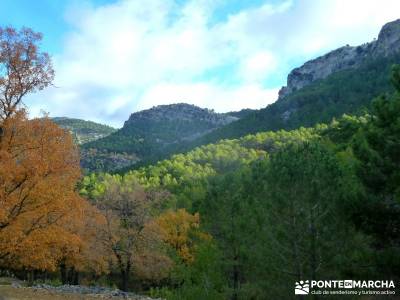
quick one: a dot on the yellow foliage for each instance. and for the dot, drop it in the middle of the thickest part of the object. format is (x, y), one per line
(40, 212)
(180, 230)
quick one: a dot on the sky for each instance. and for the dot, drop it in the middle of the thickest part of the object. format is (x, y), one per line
(115, 57)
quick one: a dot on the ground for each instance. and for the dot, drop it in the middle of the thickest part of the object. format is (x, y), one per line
(13, 289)
(11, 293)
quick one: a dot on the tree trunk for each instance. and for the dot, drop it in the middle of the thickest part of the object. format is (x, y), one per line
(125, 274)
(75, 280)
(72, 276)
(125, 281)
(30, 277)
(63, 273)
(235, 277)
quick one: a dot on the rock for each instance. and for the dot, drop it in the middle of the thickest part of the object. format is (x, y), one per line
(346, 57)
(180, 111)
(16, 285)
(101, 292)
(286, 115)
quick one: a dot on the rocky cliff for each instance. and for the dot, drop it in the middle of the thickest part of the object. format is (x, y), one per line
(181, 112)
(147, 133)
(84, 131)
(346, 57)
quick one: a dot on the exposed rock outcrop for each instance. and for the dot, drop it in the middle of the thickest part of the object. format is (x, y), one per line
(346, 57)
(83, 131)
(180, 111)
(148, 134)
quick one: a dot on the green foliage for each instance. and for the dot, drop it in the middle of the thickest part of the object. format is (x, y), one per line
(348, 91)
(203, 279)
(197, 182)
(377, 148)
(100, 160)
(147, 134)
(307, 232)
(311, 203)
(185, 175)
(256, 213)
(84, 131)
(229, 213)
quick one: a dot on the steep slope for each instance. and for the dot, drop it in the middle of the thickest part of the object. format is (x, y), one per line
(241, 113)
(84, 131)
(348, 91)
(344, 58)
(342, 81)
(147, 133)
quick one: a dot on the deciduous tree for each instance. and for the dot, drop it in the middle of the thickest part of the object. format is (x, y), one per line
(180, 230)
(39, 168)
(127, 210)
(23, 67)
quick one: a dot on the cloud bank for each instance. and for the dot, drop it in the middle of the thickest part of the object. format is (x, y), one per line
(131, 55)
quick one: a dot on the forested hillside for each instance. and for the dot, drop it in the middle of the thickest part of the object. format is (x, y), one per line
(305, 189)
(330, 190)
(148, 133)
(341, 81)
(84, 131)
(348, 91)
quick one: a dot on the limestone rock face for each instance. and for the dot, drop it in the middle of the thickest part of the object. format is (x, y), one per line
(180, 111)
(346, 57)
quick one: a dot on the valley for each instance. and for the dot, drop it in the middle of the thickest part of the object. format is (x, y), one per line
(185, 203)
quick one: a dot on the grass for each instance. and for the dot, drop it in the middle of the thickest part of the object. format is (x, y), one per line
(10, 293)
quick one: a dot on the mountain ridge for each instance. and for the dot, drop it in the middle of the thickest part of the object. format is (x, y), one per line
(83, 131)
(148, 132)
(341, 81)
(183, 111)
(343, 58)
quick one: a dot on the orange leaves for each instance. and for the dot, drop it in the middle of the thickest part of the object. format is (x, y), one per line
(24, 68)
(40, 213)
(152, 266)
(41, 216)
(93, 256)
(180, 230)
(43, 249)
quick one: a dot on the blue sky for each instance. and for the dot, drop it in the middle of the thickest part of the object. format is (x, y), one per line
(116, 57)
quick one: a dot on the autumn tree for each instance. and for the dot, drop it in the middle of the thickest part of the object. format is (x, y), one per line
(127, 210)
(180, 230)
(23, 68)
(92, 255)
(39, 209)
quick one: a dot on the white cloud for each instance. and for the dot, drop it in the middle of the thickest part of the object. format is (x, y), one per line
(257, 66)
(205, 95)
(131, 55)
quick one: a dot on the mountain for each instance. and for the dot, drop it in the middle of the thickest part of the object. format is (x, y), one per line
(84, 131)
(241, 113)
(147, 133)
(342, 81)
(344, 58)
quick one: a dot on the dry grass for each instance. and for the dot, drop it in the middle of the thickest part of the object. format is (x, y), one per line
(10, 293)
